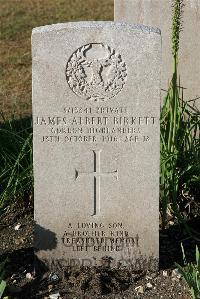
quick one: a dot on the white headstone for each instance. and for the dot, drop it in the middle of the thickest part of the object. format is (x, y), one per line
(96, 105)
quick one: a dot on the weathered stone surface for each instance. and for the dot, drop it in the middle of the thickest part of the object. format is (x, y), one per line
(159, 13)
(96, 104)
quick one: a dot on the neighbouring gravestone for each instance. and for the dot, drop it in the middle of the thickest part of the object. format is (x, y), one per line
(96, 105)
(159, 13)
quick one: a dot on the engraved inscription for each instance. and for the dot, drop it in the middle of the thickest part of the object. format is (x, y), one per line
(97, 174)
(96, 72)
(94, 124)
(99, 236)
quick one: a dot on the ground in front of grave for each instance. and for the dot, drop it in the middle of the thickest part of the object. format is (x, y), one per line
(102, 282)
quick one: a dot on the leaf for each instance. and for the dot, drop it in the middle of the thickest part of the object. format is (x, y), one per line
(2, 287)
(197, 257)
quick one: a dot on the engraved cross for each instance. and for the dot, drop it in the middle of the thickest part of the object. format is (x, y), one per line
(96, 175)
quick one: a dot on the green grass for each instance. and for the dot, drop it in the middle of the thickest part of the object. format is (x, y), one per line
(2, 282)
(16, 175)
(180, 151)
(180, 144)
(191, 274)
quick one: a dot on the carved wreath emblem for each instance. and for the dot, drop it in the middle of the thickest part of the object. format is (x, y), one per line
(96, 72)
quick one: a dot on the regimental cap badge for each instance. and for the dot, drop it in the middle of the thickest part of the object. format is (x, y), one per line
(96, 72)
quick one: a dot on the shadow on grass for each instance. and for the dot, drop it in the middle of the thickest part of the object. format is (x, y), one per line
(16, 125)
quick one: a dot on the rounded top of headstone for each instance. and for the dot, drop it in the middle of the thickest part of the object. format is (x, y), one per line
(95, 25)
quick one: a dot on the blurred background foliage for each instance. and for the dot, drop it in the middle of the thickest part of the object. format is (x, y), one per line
(18, 17)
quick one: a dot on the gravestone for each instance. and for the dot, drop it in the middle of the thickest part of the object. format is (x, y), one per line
(159, 13)
(96, 105)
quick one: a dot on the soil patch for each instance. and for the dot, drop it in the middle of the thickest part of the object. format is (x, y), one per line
(16, 233)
